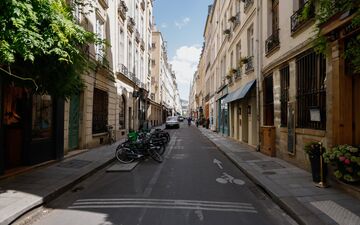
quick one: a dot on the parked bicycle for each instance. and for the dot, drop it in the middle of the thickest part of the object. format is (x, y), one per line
(140, 145)
(110, 134)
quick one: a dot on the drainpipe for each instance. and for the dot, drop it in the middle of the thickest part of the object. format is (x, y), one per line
(258, 66)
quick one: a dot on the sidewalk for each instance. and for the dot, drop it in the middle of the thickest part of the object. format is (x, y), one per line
(24, 192)
(21, 193)
(289, 186)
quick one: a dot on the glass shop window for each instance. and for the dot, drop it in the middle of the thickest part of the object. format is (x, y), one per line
(42, 111)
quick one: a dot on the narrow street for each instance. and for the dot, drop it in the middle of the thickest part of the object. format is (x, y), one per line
(196, 184)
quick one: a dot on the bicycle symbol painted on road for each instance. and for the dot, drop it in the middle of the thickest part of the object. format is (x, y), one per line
(226, 178)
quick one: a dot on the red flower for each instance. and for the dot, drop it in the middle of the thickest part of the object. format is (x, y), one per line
(342, 158)
(347, 161)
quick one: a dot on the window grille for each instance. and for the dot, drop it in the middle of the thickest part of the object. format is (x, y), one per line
(311, 92)
(100, 111)
(284, 94)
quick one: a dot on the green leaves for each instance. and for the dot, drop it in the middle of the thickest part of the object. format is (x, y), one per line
(39, 39)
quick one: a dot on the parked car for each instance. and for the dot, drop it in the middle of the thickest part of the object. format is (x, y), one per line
(181, 119)
(172, 121)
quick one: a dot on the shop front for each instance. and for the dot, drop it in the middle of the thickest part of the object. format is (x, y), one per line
(32, 127)
(223, 113)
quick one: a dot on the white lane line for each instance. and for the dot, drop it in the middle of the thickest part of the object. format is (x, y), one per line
(162, 204)
(164, 207)
(162, 200)
(336, 212)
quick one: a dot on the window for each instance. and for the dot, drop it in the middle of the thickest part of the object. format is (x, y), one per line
(42, 111)
(284, 94)
(99, 48)
(130, 57)
(311, 93)
(268, 101)
(121, 46)
(100, 111)
(153, 45)
(275, 15)
(250, 36)
(122, 112)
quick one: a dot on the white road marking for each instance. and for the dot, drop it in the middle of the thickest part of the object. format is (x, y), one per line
(164, 204)
(336, 212)
(226, 178)
(218, 162)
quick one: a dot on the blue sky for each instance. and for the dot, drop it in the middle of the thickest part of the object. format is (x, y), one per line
(182, 25)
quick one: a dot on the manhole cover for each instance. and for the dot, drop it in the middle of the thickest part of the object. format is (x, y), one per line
(74, 163)
(269, 165)
(268, 173)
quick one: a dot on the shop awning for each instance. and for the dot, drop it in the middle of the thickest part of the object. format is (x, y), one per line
(239, 93)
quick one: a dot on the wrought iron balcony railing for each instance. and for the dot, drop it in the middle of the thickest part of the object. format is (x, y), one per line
(122, 10)
(300, 18)
(249, 66)
(272, 42)
(142, 44)
(247, 4)
(137, 36)
(131, 24)
(238, 73)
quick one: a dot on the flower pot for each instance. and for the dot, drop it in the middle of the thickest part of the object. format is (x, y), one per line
(316, 170)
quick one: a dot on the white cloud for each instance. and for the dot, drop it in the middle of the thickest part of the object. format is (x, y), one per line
(164, 25)
(182, 23)
(184, 64)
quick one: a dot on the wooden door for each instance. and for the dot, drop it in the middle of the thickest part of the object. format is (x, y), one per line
(74, 122)
(356, 110)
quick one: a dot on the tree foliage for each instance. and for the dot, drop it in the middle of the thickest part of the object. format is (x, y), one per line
(327, 9)
(40, 40)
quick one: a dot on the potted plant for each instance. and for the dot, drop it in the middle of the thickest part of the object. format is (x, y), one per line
(346, 161)
(244, 60)
(314, 150)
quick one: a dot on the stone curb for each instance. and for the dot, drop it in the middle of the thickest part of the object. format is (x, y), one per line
(56, 193)
(289, 204)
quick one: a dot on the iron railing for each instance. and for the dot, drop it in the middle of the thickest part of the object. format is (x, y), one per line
(249, 66)
(299, 19)
(272, 42)
(122, 9)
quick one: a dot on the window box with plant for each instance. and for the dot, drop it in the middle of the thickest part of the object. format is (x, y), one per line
(314, 150)
(346, 162)
(227, 31)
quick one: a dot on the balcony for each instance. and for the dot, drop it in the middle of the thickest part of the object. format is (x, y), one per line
(298, 20)
(142, 44)
(247, 4)
(235, 19)
(142, 5)
(131, 24)
(273, 42)
(104, 3)
(137, 36)
(227, 31)
(249, 65)
(122, 10)
(238, 73)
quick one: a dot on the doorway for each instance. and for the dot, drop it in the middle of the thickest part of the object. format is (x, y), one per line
(74, 122)
(356, 110)
(14, 123)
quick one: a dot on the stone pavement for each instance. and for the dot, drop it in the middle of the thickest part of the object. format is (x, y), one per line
(289, 186)
(21, 193)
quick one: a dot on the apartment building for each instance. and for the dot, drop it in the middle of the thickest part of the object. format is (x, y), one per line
(164, 90)
(117, 89)
(228, 65)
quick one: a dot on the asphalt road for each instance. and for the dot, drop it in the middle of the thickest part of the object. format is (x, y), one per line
(196, 184)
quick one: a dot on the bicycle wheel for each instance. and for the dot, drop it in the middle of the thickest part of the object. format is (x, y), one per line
(155, 155)
(161, 149)
(122, 154)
